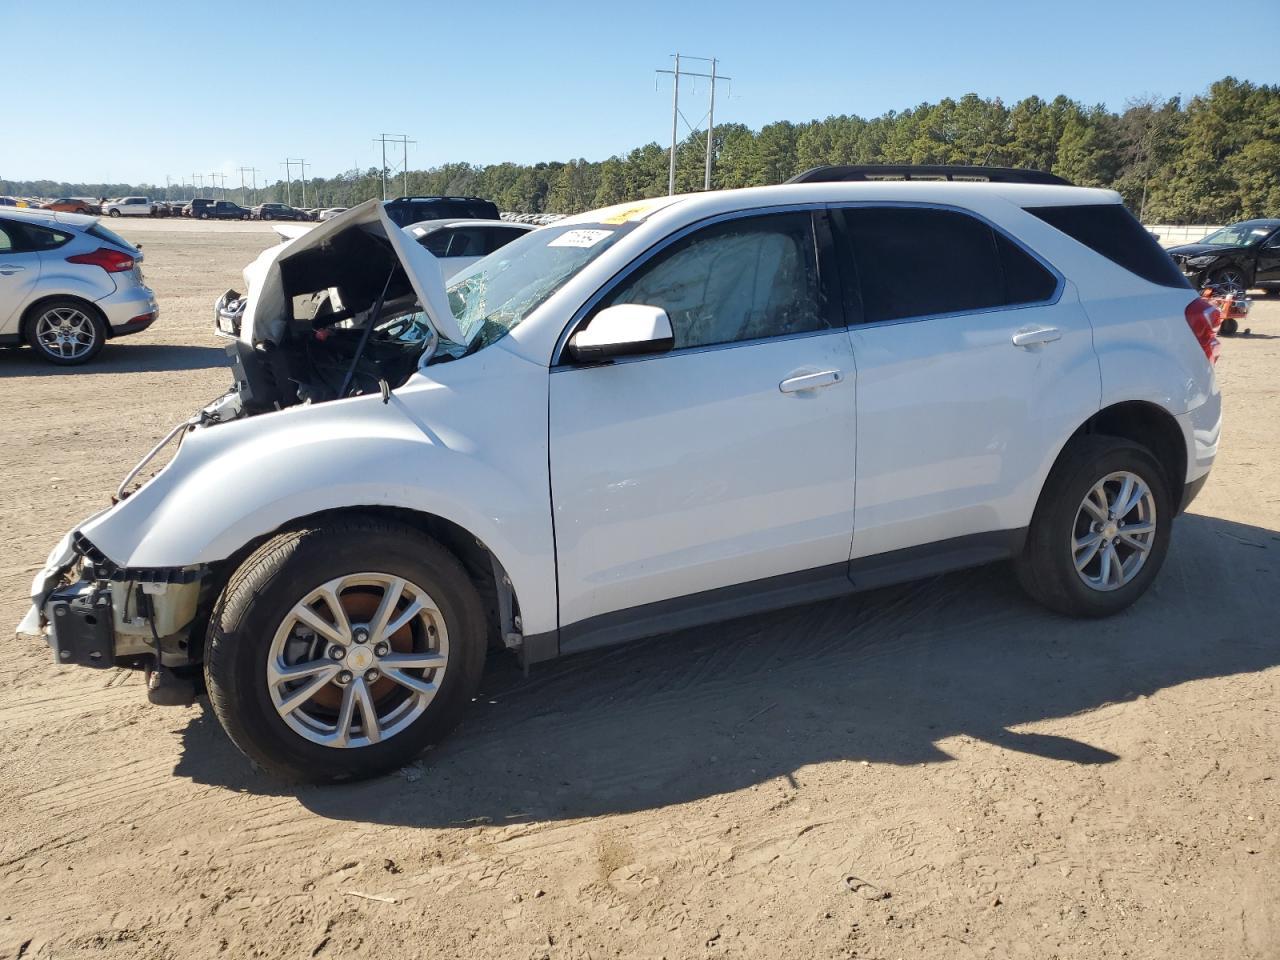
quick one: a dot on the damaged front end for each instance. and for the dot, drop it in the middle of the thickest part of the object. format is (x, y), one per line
(349, 308)
(94, 613)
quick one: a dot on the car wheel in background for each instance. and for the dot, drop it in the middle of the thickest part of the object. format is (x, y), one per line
(1232, 277)
(204, 215)
(1101, 529)
(266, 216)
(113, 213)
(342, 651)
(66, 332)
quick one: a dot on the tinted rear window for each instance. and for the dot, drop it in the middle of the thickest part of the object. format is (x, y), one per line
(102, 233)
(405, 212)
(1112, 231)
(919, 262)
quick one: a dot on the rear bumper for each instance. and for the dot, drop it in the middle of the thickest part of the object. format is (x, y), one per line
(130, 309)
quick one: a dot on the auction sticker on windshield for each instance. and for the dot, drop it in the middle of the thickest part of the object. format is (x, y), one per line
(579, 238)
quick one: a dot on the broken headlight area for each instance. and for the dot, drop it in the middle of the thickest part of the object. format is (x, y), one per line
(104, 615)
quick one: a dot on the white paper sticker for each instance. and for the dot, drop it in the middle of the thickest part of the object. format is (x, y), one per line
(579, 238)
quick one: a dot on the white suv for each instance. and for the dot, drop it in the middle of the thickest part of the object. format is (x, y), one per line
(129, 207)
(638, 419)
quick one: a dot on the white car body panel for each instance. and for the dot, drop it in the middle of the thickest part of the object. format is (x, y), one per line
(957, 427)
(684, 472)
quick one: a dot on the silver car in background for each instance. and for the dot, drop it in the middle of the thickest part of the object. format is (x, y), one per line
(68, 284)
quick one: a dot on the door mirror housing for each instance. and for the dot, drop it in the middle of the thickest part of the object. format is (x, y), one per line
(623, 330)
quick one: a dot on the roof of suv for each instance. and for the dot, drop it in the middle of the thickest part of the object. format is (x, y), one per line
(941, 192)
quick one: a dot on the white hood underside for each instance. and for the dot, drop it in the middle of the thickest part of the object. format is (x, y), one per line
(269, 308)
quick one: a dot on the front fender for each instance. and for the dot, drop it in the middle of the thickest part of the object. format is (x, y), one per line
(233, 483)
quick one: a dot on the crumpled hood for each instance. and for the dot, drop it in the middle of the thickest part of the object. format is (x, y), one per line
(268, 306)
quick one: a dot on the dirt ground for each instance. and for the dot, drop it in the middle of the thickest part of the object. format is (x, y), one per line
(941, 770)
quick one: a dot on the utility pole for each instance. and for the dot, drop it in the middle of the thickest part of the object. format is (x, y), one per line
(254, 171)
(288, 184)
(404, 142)
(676, 116)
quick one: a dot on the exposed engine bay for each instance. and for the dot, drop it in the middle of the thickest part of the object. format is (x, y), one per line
(341, 311)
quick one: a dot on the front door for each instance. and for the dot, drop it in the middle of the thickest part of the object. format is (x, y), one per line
(1269, 260)
(728, 460)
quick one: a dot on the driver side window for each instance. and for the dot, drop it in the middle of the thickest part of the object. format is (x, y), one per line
(737, 280)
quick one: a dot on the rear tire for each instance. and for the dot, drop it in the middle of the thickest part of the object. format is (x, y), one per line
(252, 619)
(1064, 529)
(65, 331)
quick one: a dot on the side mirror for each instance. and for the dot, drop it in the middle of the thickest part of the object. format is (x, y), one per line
(624, 330)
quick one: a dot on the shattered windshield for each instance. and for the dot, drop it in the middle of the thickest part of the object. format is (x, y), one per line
(498, 292)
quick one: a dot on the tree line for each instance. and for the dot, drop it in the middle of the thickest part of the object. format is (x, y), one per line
(1212, 159)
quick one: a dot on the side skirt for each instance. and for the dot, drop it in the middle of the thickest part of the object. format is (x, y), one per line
(774, 593)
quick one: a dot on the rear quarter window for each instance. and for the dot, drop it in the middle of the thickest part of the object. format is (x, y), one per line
(1111, 231)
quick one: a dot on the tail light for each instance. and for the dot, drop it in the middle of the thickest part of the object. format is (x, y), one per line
(112, 261)
(1204, 318)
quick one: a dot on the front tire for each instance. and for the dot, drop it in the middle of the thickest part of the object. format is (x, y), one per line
(113, 213)
(1231, 277)
(342, 651)
(1101, 529)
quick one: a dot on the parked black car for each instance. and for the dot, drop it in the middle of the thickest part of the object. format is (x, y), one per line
(1243, 255)
(226, 210)
(277, 211)
(406, 210)
(198, 207)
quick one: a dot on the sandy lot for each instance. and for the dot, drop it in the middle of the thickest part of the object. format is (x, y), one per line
(940, 770)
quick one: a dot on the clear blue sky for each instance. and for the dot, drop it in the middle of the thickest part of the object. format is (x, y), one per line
(136, 90)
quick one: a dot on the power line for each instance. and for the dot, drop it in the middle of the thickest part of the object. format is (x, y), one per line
(404, 142)
(677, 116)
(254, 172)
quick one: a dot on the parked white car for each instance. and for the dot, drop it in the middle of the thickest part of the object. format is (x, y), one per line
(639, 419)
(129, 207)
(68, 284)
(328, 213)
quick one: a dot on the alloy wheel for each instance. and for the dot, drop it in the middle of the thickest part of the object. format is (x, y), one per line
(66, 333)
(357, 660)
(1114, 530)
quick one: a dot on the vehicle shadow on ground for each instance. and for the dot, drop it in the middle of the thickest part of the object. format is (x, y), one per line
(116, 358)
(882, 677)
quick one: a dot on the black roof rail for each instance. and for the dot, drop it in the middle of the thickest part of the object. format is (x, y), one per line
(893, 171)
(437, 198)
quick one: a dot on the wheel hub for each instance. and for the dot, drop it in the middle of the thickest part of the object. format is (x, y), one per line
(361, 659)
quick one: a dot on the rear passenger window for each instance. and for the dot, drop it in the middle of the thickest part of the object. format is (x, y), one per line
(1112, 231)
(736, 280)
(40, 238)
(921, 262)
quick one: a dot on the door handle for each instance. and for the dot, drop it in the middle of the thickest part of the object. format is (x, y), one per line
(1035, 336)
(9, 269)
(810, 381)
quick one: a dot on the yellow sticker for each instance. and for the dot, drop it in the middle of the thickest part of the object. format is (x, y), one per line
(634, 212)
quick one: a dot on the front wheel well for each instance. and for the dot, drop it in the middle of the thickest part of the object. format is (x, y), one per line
(476, 558)
(1149, 425)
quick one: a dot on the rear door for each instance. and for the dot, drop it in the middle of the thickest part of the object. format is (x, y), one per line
(975, 360)
(19, 275)
(727, 461)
